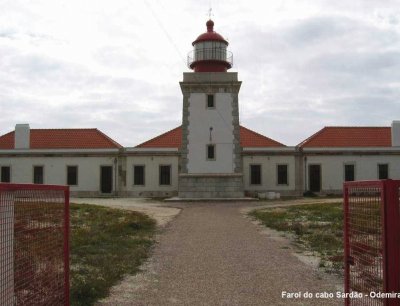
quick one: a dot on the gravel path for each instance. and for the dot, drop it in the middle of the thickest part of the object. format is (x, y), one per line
(210, 254)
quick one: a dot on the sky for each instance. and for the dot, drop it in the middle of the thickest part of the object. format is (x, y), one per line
(116, 65)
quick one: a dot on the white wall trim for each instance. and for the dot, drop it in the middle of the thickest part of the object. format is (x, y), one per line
(352, 149)
(150, 150)
(269, 149)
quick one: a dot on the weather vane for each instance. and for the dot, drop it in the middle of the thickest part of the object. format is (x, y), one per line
(210, 12)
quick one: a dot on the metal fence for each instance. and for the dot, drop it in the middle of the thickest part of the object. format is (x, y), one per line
(372, 233)
(34, 245)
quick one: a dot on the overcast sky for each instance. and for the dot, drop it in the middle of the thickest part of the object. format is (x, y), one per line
(116, 65)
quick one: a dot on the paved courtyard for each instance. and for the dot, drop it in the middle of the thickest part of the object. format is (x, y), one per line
(211, 254)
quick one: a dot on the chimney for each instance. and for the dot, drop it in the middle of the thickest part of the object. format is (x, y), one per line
(396, 133)
(22, 136)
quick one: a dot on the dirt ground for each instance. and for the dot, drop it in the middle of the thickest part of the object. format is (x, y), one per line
(161, 212)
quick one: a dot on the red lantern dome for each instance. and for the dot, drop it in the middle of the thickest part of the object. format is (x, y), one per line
(210, 54)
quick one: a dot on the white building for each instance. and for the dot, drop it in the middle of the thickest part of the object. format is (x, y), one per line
(85, 159)
(337, 154)
(209, 156)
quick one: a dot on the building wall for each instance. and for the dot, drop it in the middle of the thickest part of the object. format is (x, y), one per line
(366, 168)
(332, 168)
(201, 119)
(152, 186)
(269, 176)
(55, 170)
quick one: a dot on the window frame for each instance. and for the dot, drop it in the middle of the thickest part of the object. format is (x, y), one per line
(77, 175)
(144, 174)
(354, 171)
(251, 176)
(1, 173)
(33, 174)
(170, 174)
(388, 172)
(287, 175)
(308, 177)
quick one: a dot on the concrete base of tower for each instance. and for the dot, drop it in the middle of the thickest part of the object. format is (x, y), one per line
(207, 186)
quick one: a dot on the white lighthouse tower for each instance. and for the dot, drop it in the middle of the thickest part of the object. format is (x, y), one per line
(210, 165)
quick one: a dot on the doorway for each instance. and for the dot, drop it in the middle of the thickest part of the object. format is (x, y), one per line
(314, 178)
(106, 180)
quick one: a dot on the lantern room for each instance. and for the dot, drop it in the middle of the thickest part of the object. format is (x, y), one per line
(209, 53)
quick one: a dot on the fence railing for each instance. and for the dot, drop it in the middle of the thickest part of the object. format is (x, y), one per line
(34, 244)
(372, 237)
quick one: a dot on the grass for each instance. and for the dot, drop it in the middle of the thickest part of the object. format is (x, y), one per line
(317, 228)
(106, 245)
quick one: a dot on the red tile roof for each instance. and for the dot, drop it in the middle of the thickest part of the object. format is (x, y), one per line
(173, 139)
(63, 139)
(349, 137)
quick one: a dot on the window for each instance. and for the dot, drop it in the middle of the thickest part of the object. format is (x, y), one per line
(211, 152)
(165, 175)
(5, 174)
(383, 171)
(72, 175)
(138, 175)
(282, 174)
(210, 101)
(38, 174)
(255, 174)
(349, 173)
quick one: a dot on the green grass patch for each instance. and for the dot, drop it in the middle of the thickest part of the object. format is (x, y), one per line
(106, 245)
(317, 228)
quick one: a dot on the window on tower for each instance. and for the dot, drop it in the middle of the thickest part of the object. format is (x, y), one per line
(210, 152)
(210, 101)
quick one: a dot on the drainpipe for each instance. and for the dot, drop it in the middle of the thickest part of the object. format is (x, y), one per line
(115, 175)
(305, 173)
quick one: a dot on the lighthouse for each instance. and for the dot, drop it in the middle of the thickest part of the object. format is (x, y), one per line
(210, 163)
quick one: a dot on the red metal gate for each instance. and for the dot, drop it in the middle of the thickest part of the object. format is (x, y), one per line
(34, 244)
(372, 233)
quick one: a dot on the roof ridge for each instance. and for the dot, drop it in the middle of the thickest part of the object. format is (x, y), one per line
(157, 137)
(357, 126)
(7, 133)
(109, 139)
(63, 138)
(62, 129)
(347, 136)
(311, 137)
(262, 135)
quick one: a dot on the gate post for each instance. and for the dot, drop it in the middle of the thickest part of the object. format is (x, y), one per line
(391, 252)
(6, 248)
(346, 245)
(66, 245)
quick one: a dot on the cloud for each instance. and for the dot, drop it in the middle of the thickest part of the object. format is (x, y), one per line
(317, 71)
(303, 64)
